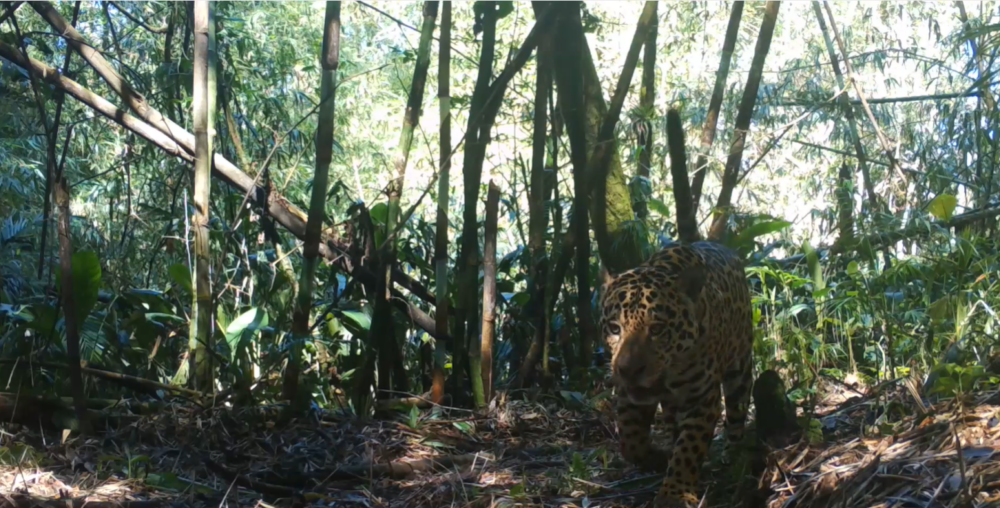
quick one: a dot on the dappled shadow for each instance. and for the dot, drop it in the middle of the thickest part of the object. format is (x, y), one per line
(550, 452)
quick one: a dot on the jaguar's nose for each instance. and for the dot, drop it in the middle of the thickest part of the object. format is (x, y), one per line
(631, 366)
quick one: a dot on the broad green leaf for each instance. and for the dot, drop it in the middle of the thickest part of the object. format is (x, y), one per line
(333, 325)
(242, 327)
(379, 213)
(822, 293)
(181, 275)
(659, 207)
(761, 229)
(521, 299)
(86, 283)
(943, 206)
(794, 310)
(356, 319)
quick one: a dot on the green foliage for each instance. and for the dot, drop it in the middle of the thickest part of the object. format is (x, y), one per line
(413, 420)
(839, 314)
(240, 332)
(180, 274)
(743, 240)
(21, 455)
(943, 206)
(956, 380)
(86, 282)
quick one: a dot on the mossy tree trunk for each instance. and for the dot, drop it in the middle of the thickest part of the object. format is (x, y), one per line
(611, 207)
(620, 248)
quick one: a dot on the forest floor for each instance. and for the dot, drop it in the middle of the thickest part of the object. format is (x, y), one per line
(552, 452)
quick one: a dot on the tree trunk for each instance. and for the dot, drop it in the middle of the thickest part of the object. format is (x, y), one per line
(71, 322)
(482, 385)
(742, 125)
(537, 216)
(616, 202)
(201, 312)
(329, 61)
(647, 102)
(687, 222)
(472, 170)
(390, 373)
(715, 103)
(51, 162)
(444, 191)
(574, 109)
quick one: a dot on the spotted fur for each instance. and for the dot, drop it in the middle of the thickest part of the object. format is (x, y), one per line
(678, 327)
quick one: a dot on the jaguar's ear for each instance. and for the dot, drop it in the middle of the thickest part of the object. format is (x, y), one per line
(691, 281)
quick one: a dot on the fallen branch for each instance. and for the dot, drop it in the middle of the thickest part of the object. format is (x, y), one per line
(104, 374)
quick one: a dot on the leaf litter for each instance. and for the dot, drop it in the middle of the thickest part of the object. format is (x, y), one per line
(888, 450)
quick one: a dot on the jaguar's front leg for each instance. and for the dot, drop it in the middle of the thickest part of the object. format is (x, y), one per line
(695, 430)
(634, 424)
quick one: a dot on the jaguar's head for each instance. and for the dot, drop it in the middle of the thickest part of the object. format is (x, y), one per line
(649, 317)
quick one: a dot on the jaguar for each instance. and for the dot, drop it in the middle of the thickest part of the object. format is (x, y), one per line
(679, 326)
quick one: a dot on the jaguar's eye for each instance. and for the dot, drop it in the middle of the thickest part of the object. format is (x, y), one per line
(614, 329)
(657, 330)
